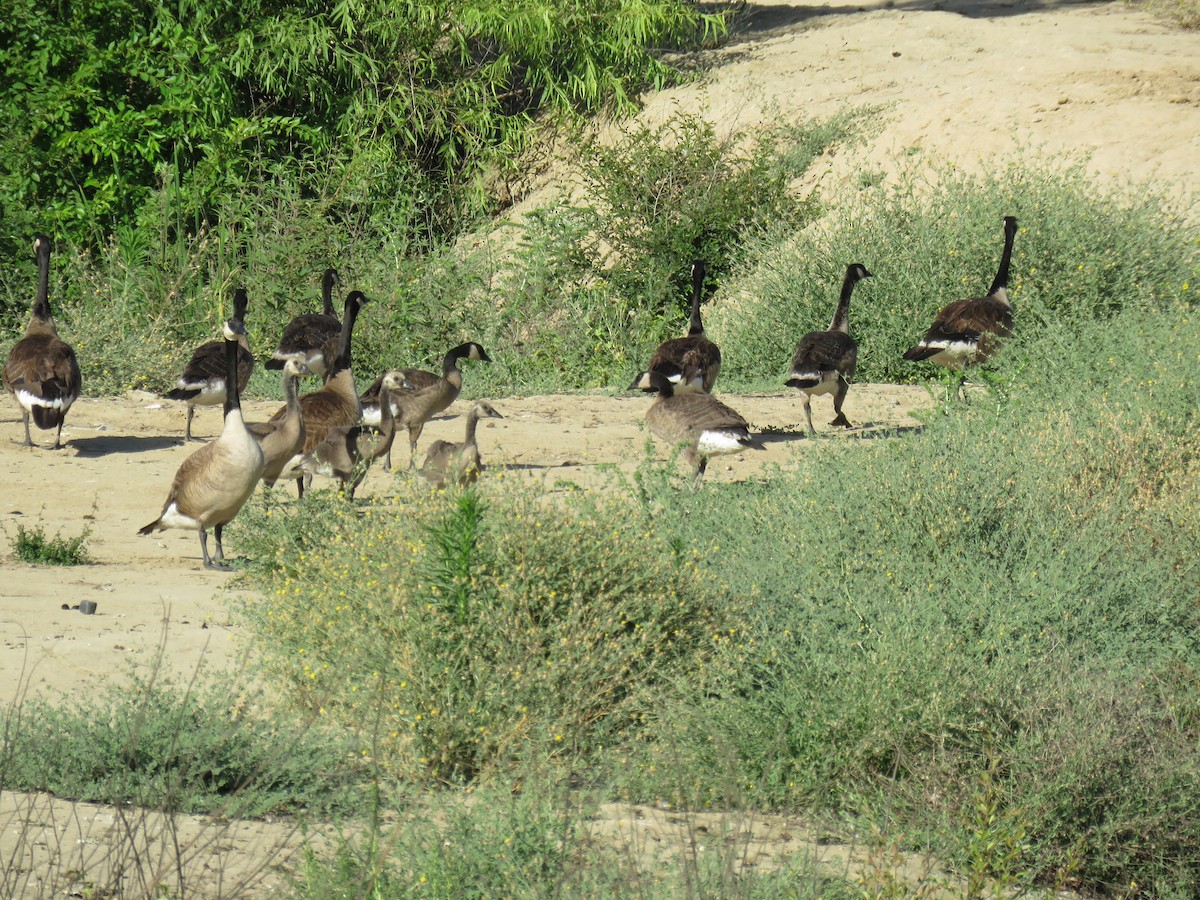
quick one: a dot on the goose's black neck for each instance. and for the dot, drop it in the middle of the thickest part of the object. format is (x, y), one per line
(41, 300)
(328, 280)
(1001, 280)
(695, 325)
(841, 316)
(240, 305)
(353, 301)
(232, 400)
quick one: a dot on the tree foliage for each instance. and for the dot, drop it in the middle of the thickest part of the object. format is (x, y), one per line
(109, 99)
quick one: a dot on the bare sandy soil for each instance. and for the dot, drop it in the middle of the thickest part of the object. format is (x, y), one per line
(967, 82)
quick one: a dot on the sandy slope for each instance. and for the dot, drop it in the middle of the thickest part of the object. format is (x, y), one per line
(959, 81)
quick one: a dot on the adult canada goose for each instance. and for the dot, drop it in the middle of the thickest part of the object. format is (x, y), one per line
(699, 422)
(334, 405)
(824, 361)
(446, 460)
(967, 331)
(690, 363)
(283, 439)
(42, 372)
(203, 380)
(425, 394)
(213, 483)
(347, 451)
(304, 337)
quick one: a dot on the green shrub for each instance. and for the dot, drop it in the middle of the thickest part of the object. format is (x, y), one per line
(33, 546)
(1008, 590)
(661, 196)
(487, 625)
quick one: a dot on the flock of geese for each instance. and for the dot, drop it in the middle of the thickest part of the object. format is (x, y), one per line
(337, 431)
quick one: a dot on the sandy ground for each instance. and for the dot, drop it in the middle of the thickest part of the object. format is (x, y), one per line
(152, 592)
(960, 81)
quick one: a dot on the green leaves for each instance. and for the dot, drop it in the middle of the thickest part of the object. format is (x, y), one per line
(101, 101)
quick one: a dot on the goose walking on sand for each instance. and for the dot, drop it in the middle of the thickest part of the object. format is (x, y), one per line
(216, 480)
(825, 361)
(692, 362)
(336, 404)
(203, 382)
(42, 372)
(304, 337)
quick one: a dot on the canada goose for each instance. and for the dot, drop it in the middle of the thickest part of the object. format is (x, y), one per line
(283, 439)
(699, 422)
(213, 483)
(691, 363)
(347, 451)
(203, 380)
(425, 394)
(458, 462)
(966, 331)
(824, 361)
(42, 372)
(304, 337)
(334, 405)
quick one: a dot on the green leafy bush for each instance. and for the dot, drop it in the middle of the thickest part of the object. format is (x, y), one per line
(113, 99)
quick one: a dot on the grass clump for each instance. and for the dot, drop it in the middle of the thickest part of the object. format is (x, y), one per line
(482, 626)
(177, 749)
(34, 546)
(1184, 13)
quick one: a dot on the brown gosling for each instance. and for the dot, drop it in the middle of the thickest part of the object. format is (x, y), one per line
(825, 361)
(446, 460)
(215, 481)
(690, 363)
(347, 452)
(336, 404)
(699, 423)
(203, 380)
(969, 331)
(304, 337)
(283, 440)
(424, 395)
(42, 373)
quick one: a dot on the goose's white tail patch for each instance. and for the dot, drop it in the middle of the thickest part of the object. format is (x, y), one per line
(713, 443)
(173, 518)
(952, 354)
(29, 400)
